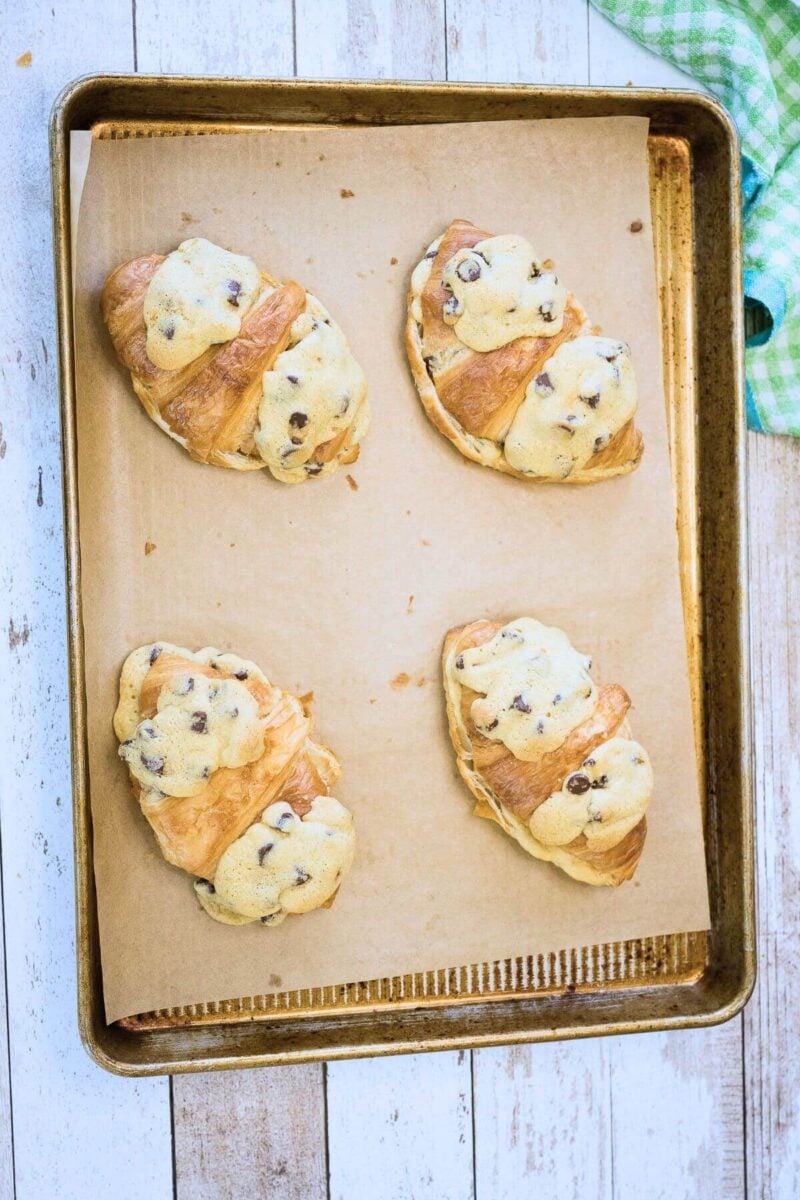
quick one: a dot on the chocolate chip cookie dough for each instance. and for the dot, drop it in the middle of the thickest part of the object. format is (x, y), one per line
(547, 753)
(234, 788)
(509, 367)
(241, 370)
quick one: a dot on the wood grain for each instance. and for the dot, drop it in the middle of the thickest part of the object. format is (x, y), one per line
(231, 38)
(517, 41)
(543, 1113)
(772, 1061)
(371, 39)
(250, 1133)
(78, 1132)
(400, 1128)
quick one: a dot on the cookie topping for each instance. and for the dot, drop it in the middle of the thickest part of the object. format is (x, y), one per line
(279, 867)
(518, 673)
(610, 800)
(501, 291)
(305, 390)
(573, 409)
(197, 298)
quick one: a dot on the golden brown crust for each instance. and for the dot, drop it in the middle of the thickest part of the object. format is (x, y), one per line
(508, 790)
(193, 832)
(473, 400)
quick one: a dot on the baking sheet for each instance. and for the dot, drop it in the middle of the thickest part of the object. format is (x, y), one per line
(315, 582)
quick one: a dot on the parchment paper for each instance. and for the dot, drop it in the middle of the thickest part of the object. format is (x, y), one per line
(341, 591)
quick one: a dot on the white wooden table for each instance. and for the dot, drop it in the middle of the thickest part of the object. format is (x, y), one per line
(698, 1114)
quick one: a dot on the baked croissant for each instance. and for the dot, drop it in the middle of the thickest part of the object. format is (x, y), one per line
(509, 367)
(546, 752)
(240, 369)
(235, 791)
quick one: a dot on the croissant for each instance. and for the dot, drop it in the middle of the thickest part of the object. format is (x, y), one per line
(509, 367)
(242, 370)
(547, 753)
(232, 785)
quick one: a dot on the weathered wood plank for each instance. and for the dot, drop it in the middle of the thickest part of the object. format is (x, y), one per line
(77, 1131)
(250, 1133)
(616, 60)
(401, 1128)
(371, 39)
(517, 41)
(227, 39)
(772, 1062)
(543, 1114)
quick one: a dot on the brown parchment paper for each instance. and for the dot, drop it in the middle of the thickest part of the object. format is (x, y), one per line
(341, 591)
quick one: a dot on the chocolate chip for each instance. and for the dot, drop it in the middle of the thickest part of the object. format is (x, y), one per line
(432, 253)
(588, 762)
(205, 773)
(199, 722)
(263, 852)
(186, 686)
(313, 468)
(233, 713)
(293, 379)
(345, 404)
(168, 331)
(149, 731)
(540, 726)
(213, 692)
(296, 441)
(298, 420)
(241, 675)
(557, 698)
(300, 877)
(234, 292)
(154, 653)
(269, 918)
(493, 726)
(468, 270)
(577, 784)
(599, 442)
(451, 306)
(602, 782)
(207, 885)
(568, 425)
(284, 819)
(592, 400)
(546, 312)
(608, 355)
(519, 704)
(543, 384)
(535, 272)
(460, 663)
(154, 765)
(128, 742)
(428, 360)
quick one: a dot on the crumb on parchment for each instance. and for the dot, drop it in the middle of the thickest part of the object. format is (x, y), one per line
(25, 59)
(352, 483)
(149, 547)
(345, 193)
(401, 680)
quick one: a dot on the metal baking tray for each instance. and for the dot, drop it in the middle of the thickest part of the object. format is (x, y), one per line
(653, 983)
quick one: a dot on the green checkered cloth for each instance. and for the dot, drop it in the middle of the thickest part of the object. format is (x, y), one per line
(748, 53)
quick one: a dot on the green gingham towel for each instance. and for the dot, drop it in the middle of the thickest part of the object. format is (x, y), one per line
(748, 53)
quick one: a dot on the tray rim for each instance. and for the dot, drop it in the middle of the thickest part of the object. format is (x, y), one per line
(82, 89)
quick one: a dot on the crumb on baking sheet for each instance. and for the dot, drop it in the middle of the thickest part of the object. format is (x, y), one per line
(188, 219)
(25, 59)
(149, 547)
(421, 681)
(424, 542)
(410, 606)
(345, 193)
(232, 545)
(636, 227)
(401, 680)
(352, 483)
(393, 261)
